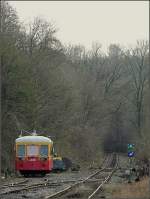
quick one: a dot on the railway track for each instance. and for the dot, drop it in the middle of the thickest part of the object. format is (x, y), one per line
(25, 186)
(13, 184)
(74, 190)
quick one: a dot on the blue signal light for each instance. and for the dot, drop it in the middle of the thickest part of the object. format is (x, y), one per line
(131, 150)
(131, 154)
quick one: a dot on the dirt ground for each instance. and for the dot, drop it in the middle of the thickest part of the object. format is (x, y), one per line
(120, 188)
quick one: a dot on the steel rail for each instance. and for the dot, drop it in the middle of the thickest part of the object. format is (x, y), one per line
(59, 193)
(28, 187)
(75, 184)
(100, 186)
(13, 184)
(106, 179)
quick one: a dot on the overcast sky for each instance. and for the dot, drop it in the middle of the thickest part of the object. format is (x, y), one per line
(82, 22)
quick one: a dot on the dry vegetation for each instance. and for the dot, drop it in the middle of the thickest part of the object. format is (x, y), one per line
(138, 190)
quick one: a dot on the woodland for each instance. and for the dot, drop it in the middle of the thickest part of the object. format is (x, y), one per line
(89, 102)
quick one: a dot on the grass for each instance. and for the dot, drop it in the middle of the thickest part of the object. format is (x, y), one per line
(136, 190)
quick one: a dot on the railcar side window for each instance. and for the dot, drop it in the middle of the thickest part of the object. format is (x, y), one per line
(44, 150)
(32, 150)
(21, 151)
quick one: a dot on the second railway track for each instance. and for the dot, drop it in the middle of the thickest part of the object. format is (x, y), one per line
(83, 189)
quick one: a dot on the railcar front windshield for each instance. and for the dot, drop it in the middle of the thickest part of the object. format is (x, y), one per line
(44, 150)
(21, 151)
(32, 150)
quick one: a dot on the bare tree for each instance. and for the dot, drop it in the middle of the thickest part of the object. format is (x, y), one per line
(41, 36)
(113, 67)
(137, 66)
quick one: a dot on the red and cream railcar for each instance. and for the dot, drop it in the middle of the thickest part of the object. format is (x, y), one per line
(34, 155)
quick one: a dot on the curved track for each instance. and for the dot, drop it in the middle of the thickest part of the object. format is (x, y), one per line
(110, 165)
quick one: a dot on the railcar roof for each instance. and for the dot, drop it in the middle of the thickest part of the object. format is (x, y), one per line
(32, 138)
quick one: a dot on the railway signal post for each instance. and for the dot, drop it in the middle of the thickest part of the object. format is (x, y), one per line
(131, 150)
(131, 154)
